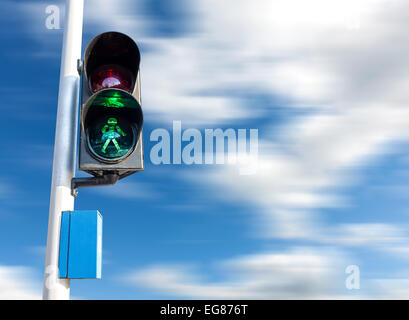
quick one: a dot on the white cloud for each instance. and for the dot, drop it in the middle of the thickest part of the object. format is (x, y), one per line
(391, 289)
(267, 47)
(357, 84)
(118, 15)
(305, 169)
(299, 274)
(16, 284)
(368, 234)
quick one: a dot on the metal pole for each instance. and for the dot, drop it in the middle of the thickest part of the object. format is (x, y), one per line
(64, 148)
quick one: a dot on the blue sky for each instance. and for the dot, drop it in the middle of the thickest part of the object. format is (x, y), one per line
(324, 85)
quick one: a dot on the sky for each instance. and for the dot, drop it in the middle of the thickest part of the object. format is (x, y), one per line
(325, 84)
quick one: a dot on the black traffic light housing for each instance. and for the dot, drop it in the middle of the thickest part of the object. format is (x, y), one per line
(111, 117)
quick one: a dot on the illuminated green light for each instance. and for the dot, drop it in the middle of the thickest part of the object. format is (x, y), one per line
(114, 98)
(113, 102)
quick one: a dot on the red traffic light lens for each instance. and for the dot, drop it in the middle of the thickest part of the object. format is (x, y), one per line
(111, 76)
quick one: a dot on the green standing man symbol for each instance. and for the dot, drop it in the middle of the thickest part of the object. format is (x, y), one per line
(110, 132)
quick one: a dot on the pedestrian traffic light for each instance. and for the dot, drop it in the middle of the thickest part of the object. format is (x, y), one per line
(111, 115)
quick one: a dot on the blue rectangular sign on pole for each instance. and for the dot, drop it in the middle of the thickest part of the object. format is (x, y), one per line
(81, 245)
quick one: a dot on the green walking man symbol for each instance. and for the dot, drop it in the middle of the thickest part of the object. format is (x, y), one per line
(110, 132)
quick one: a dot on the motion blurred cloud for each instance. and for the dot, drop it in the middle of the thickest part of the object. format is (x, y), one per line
(301, 273)
(17, 283)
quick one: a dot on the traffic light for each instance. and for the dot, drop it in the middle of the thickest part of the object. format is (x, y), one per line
(111, 115)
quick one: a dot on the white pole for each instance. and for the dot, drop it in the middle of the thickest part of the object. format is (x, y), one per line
(64, 148)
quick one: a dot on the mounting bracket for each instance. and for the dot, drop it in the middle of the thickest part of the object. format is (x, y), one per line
(105, 180)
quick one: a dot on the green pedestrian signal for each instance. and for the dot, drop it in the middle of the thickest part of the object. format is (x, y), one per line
(111, 142)
(110, 132)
